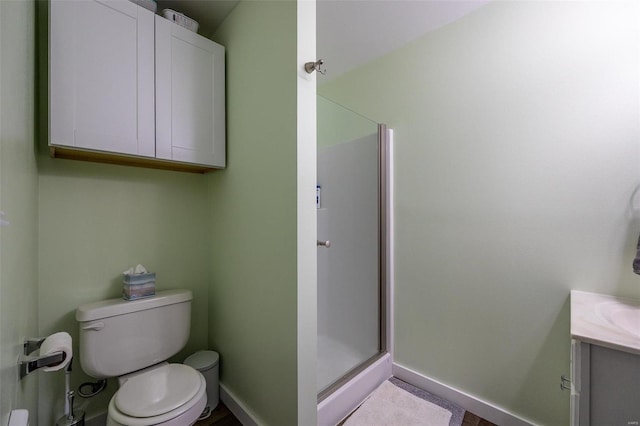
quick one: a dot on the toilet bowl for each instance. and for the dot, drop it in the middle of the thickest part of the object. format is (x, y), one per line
(167, 395)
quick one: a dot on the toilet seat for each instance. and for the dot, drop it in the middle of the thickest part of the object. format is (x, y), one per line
(160, 396)
(158, 391)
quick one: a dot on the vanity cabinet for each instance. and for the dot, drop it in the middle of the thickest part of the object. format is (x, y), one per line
(127, 86)
(606, 386)
(605, 360)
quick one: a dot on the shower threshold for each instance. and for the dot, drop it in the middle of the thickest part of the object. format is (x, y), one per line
(336, 402)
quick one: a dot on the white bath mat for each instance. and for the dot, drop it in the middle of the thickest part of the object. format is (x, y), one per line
(391, 406)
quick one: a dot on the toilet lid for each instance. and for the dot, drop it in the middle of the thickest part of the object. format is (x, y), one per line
(158, 391)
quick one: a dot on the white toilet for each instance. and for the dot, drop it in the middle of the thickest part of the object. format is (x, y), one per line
(132, 340)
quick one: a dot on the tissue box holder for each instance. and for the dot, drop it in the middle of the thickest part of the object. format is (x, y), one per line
(138, 286)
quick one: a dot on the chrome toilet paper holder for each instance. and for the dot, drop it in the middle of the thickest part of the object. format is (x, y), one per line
(28, 363)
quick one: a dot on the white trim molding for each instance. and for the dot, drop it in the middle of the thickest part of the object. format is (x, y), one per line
(242, 413)
(307, 229)
(484, 409)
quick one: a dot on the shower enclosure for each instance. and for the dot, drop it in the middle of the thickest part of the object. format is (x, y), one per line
(352, 253)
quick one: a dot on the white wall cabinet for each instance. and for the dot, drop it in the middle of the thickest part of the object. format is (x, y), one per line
(127, 86)
(101, 86)
(190, 96)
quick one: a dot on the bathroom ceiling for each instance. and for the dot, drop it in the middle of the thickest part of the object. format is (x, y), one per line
(349, 32)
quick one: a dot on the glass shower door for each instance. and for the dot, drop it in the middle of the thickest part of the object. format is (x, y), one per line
(349, 284)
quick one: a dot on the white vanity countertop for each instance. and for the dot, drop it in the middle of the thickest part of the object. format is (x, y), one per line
(596, 318)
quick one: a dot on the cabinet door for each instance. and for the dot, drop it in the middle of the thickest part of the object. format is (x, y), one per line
(101, 82)
(615, 387)
(190, 96)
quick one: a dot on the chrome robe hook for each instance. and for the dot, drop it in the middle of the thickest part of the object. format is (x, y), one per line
(310, 67)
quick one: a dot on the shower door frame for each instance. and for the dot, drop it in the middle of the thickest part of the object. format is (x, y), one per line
(369, 374)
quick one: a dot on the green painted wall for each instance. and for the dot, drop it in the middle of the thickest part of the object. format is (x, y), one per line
(252, 299)
(230, 237)
(336, 124)
(95, 221)
(516, 147)
(19, 201)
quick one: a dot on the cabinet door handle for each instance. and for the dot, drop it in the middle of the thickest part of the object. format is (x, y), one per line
(565, 383)
(326, 244)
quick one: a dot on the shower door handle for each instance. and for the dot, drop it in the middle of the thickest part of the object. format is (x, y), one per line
(326, 244)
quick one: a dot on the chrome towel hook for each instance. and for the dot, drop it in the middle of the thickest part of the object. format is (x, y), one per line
(310, 67)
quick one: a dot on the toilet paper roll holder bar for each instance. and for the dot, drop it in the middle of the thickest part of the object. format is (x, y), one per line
(28, 363)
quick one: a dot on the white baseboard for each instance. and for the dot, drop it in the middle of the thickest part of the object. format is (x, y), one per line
(343, 401)
(242, 413)
(486, 410)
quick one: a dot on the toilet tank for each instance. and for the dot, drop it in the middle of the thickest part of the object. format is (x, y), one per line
(120, 336)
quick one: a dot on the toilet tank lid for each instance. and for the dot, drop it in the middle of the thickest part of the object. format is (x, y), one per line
(113, 307)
